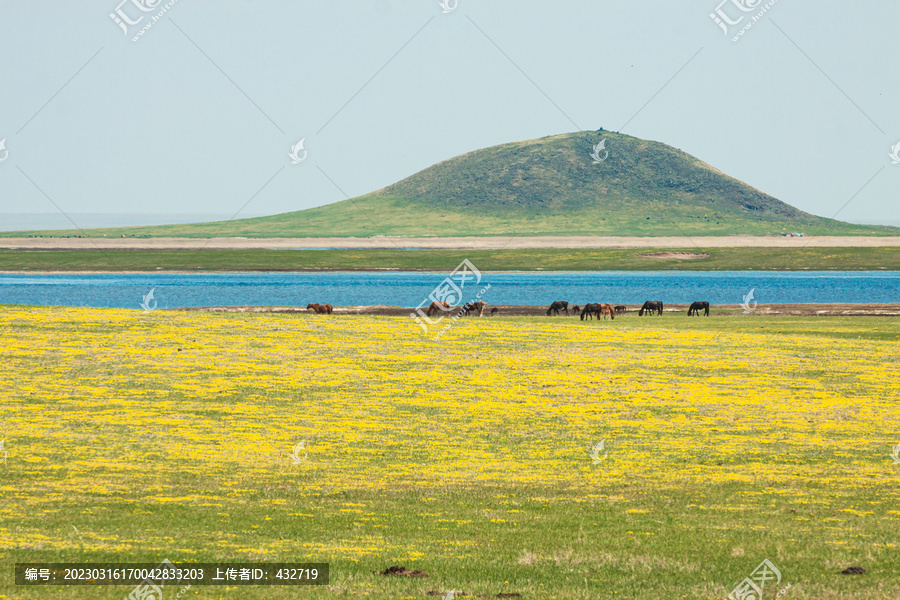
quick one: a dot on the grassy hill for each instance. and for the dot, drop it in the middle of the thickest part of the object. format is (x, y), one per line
(547, 186)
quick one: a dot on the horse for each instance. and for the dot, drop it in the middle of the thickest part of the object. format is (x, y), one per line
(576, 309)
(650, 306)
(696, 307)
(494, 311)
(559, 304)
(438, 307)
(607, 310)
(621, 309)
(590, 310)
(473, 306)
(320, 309)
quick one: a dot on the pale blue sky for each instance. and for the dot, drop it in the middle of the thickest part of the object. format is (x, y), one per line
(200, 114)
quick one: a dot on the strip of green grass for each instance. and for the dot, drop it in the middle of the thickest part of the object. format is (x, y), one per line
(555, 259)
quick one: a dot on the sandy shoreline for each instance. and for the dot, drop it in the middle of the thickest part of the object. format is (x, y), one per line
(506, 310)
(454, 243)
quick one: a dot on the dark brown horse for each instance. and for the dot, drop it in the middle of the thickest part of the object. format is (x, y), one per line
(651, 306)
(556, 306)
(438, 307)
(470, 307)
(494, 311)
(590, 310)
(696, 307)
(621, 309)
(576, 309)
(320, 309)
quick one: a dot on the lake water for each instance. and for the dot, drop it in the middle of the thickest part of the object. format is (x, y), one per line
(172, 290)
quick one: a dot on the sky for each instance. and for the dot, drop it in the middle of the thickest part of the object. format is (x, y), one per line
(199, 114)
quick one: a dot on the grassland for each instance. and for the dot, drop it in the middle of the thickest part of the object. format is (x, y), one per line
(136, 436)
(738, 259)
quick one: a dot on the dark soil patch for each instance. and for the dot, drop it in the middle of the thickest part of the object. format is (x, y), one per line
(853, 571)
(403, 572)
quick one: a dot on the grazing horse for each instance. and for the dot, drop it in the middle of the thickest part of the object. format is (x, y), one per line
(590, 310)
(607, 310)
(559, 304)
(473, 306)
(650, 306)
(437, 308)
(696, 307)
(494, 311)
(320, 309)
(621, 309)
(576, 309)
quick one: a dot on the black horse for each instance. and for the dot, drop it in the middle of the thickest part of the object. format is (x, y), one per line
(556, 306)
(650, 306)
(590, 310)
(696, 307)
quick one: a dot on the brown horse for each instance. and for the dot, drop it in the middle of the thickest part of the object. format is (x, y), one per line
(621, 309)
(438, 307)
(320, 309)
(607, 310)
(494, 311)
(576, 309)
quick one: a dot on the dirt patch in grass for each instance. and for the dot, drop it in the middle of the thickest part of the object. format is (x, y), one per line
(403, 572)
(674, 255)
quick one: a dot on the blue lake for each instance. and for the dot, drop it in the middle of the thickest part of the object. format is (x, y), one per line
(408, 289)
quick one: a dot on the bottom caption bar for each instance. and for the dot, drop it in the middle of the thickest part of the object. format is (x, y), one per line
(156, 576)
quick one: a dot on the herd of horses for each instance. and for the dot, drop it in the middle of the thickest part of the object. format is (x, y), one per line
(599, 309)
(605, 311)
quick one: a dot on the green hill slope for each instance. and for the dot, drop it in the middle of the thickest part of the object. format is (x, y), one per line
(547, 186)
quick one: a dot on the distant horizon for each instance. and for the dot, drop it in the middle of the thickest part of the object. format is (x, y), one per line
(57, 221)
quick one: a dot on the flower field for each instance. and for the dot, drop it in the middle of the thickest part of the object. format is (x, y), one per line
(135, 436)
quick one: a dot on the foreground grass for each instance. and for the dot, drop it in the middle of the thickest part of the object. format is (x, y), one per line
(138, 436)
(555, 259)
